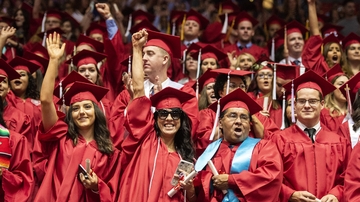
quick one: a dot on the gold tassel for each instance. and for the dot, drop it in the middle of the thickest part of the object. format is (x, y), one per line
(168, 28)
(307, 27)
(266, 32)
(229, 30)
(220, 9)
(182, 28)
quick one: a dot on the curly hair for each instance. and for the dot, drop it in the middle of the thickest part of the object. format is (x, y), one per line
(356, 113)
(101, 131)
(221, 80)
(31, 89)
(183, 141)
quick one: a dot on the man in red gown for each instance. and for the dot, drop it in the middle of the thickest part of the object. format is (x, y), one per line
(314, 158)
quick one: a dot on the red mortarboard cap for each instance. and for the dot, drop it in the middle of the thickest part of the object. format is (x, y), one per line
(19, 63)
(231, 18)
(145, 24)
(86, 57)
(170, 98)
(274, 19)
(32, 57)
(292, 27)
(96, 45)
(227, 5)
(354, 84)
(279, 41)
(285, 71)
(27, 7)
(352, 38)
(332, 39)
(68, 81)
(231, 72)
(210, 51)
(323, 18)
(244, 16)
(51, 31)
(73, 21)
(7, 71)
(328, 29)
(55, 13)
(212, 33)
(81, 91)
(311, 80)
(125, 62)
(237, 99)
(262, 62)
(96, 28)
(205, 79)
(142, 15)
(174, 15)
(7, 20)
(333, 72)
(40, 50)
(2, 78)
(197, 17)
(169, 43)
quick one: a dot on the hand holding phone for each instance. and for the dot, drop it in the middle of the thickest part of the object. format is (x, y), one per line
(82, 170)
(183, 167)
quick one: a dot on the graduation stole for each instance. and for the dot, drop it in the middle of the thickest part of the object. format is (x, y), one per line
(5, 149)
(240, 162)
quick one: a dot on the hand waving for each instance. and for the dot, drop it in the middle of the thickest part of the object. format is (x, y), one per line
(7, 32)
(53, 46)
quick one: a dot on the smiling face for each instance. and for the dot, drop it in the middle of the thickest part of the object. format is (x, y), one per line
(4, 88)
(83, 114)
(353, 52)
(334, 53)
(168, 123)
(19, 18)
(210, 94)
(235, 125)
(295, 43)
(308, 114)
(89, 71)
(18, 86)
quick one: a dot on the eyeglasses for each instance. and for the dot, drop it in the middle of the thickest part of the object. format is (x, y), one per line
(312, 102)
(163, 114)
(262, 76)
(233, 86)
(234, 116)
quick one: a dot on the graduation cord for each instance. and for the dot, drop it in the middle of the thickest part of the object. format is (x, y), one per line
(102, 105)
(153, 171)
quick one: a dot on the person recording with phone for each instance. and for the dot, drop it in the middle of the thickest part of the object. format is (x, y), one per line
(157, 142)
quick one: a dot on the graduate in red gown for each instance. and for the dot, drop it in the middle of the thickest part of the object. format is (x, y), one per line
(16, 172)
(258, 175)
(167, 47)
(157, 141)
(15, 119)
(314, 158)
(62, 146)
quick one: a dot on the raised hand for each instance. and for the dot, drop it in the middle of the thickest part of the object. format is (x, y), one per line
(103, 9)
(53, 46)
(232, 59)
(139, 38)
(7, 32)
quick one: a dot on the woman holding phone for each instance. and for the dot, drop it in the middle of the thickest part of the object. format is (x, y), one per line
(64, 142)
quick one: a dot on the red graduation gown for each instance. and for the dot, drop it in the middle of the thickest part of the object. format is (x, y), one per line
(207, 117)
(139, 151)
(352, 177)
(318, 168)
(18, 181)
(334, 122)
(19, 122)
(261, 182)
(312, 57)
(56, 162)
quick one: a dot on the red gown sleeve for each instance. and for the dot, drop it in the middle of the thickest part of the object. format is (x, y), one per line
(312, 57)
(352, 177)
(203, 132)
(18, 180)
(191, 109)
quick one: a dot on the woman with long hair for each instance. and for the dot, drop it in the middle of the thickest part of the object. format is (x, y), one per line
(351, 45)
(335, 109)
(79, 138)
(205, 86)
(157, 142)
(22, 24)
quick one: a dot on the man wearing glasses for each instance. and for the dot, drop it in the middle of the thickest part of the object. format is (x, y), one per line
(314, 157)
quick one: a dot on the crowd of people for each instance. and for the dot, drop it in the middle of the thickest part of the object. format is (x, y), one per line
(199, 101)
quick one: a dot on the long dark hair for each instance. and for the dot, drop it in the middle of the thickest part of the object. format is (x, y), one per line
(356, 113)
(101, 131)
(31, 90)
(183, 141)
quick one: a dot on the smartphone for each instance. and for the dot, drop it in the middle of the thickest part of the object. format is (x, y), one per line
(83, 171)
(182, 166)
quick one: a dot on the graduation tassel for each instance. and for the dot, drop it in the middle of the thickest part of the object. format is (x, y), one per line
(215, 121)
(168, 28)
(198, 64)
(43, 30)
(173, 30)
(283, 114)
(127, 33)
(286, 50)
(274, 84)
(129, 65)
(307, 28)
(197, 89)
(225, 25)
(292, 102)
(272, 55)
(184, 61)
(349, 106)
(228, 83)
(182, 28)
(229, 30)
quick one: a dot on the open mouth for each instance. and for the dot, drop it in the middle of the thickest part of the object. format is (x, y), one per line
(169, 126)
(266, 83)
(335, 58)
(17, 82)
